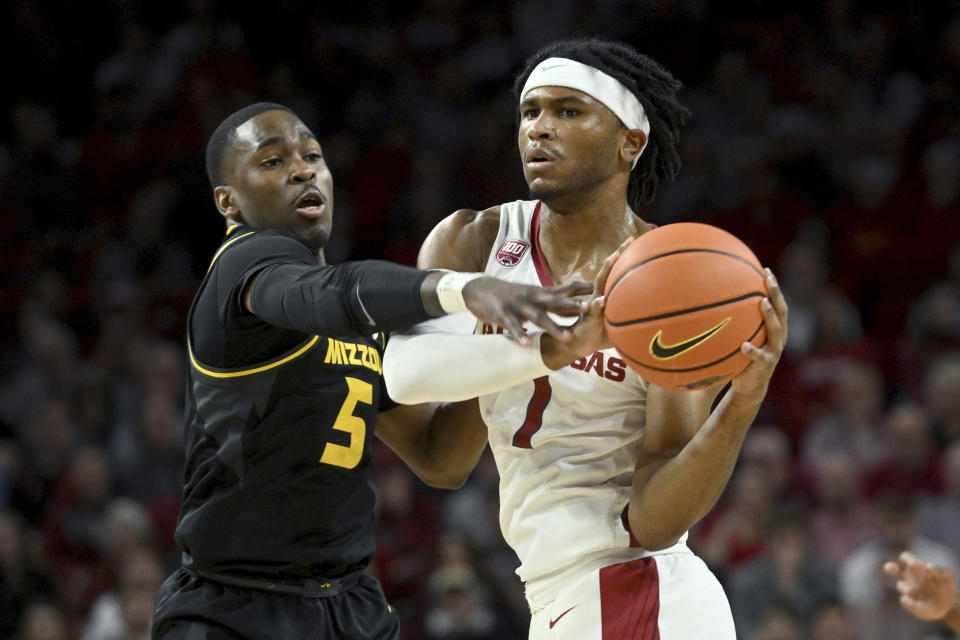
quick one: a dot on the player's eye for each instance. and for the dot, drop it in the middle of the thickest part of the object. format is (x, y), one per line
(312, 156)
(271, 163)
(529, 114)
(569, 112)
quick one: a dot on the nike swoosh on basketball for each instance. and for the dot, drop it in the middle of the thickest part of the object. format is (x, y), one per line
(557, 619)
(665, 352)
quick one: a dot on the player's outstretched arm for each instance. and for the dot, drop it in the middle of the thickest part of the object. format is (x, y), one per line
(927, 591)
(688, 452)
(442, 361)
(290, 290)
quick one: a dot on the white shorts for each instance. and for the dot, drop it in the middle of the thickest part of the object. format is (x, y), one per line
(671, 596)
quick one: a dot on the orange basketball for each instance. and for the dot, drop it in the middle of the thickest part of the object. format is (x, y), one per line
(680, 301)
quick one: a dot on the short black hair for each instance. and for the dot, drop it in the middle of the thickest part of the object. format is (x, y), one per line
(225, 133)
(654, 87)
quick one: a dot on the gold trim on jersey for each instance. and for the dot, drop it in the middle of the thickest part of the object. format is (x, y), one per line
(227, 244)
(236, 373)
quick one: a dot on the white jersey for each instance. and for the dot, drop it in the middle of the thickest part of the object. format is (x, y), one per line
(565, 445)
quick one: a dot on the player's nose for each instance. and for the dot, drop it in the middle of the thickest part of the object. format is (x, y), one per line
(542, 128)
(302, 171)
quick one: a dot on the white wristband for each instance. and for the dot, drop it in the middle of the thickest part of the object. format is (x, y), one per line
(450, 290)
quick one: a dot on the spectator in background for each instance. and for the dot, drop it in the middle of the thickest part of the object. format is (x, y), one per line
(50, 368)
(789, 573)
(47, 444)
(833, 622)
(942, 396)
(842, 520)
(75, 529)
(778, 623)
(733, 533)
(458, 608)
(934, 232)
(853, 419)
(804, 270)
(474, 512)
(408, 527)
(21, 578)
(767, 449)
(938, 517)
(911, 463)
(863, 588)
(932, 333)
(152, 470)
(43, 620)
(461, 601)
(124, 612)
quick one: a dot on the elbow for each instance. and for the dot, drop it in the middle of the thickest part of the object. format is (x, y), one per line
(442, 479)
(399, 380)
(657, 543)
(650, 538)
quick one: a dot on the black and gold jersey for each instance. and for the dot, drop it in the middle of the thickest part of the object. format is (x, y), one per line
(278, 428)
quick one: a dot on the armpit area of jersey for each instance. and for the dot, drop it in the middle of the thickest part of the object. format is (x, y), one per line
(349, 299)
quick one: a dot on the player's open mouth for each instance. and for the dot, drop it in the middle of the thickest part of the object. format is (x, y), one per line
(538, 158)
(311, 205)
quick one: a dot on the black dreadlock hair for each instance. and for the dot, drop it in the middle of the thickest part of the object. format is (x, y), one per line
(655, 88)
(225, 134)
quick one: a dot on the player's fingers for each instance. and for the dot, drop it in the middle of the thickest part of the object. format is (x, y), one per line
(575, 288)
(907, 587)
(601, 279)
(776, 333)
(596, 306)
(560, 304)
(776, 294)
(513, 324)
(892, 568)
(761, 355)
(541, 319)
(908, 558)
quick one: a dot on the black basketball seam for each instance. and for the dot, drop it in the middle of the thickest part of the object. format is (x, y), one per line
(675, 252)
(703, 366)
(623, 323)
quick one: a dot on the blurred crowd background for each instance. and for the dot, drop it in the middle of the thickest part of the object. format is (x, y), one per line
(824, 134)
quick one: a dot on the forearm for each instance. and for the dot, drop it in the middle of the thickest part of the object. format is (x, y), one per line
(350, 299)
(450, 367)
(679, 490)
(440, 443)
(453, 444)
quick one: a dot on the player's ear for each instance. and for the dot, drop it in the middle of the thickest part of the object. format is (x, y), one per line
(225, 199)
(634, 140)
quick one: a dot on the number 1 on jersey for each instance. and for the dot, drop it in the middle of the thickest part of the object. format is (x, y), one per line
(348, 457)
(534, 419)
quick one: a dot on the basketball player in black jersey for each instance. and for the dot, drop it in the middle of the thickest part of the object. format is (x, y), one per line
(284, 390)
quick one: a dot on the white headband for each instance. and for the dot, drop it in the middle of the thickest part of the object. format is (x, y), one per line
(563, 72)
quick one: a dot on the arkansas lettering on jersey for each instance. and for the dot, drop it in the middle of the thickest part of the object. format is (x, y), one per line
(604, 365)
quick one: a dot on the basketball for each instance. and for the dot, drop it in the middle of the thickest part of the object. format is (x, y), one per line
(680, 300)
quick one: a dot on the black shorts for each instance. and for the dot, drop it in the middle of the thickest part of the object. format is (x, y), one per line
(192, 608)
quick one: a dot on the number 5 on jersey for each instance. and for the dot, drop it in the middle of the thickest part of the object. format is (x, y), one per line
(348, 457)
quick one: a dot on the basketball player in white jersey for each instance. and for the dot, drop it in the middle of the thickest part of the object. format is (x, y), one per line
(601, 473)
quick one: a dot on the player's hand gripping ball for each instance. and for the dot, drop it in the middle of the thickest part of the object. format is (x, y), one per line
(679, 302)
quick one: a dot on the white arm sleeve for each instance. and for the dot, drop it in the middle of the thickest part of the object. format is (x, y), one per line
(441, 360)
